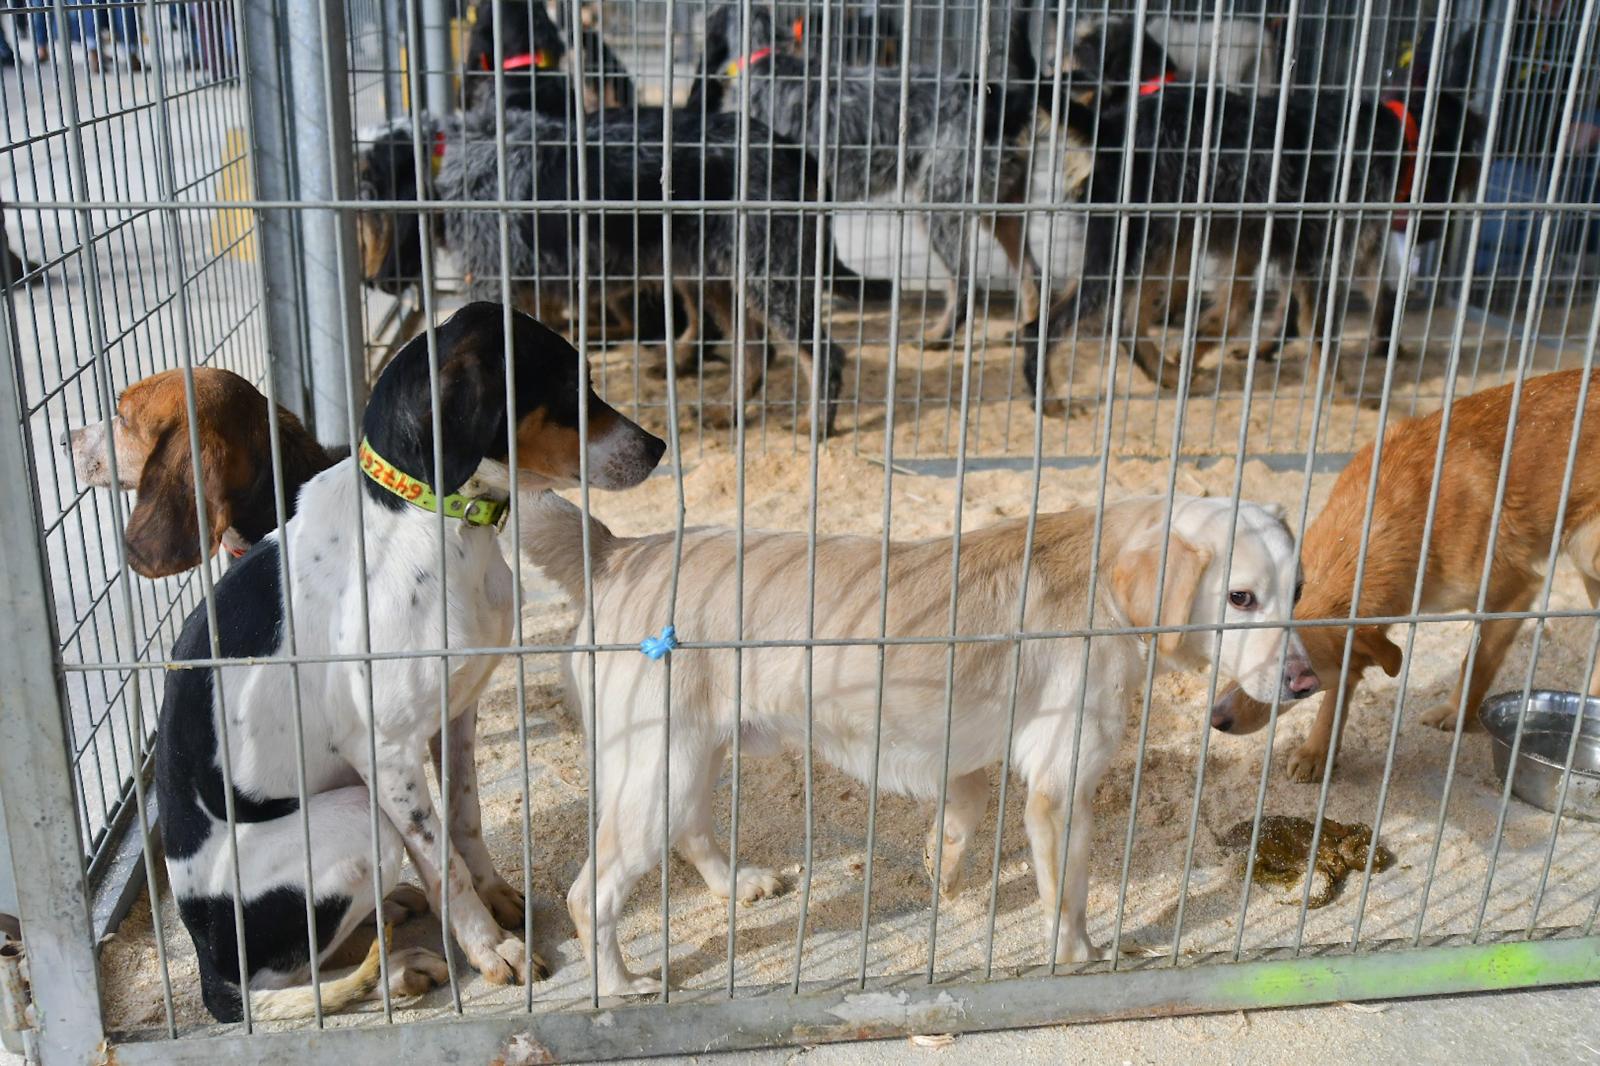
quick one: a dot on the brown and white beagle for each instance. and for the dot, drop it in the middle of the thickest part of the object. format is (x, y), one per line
(150, 433)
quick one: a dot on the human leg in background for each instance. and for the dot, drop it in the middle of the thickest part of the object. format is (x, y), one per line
(125, 30)
(41, 32)
(87, 25)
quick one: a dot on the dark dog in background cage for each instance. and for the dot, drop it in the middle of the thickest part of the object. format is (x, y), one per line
(782, 91)
(1098, 74)
(624, 161)
(150, 438)
(539, 71)
(1166, 158)
(370, 523)
(391, 245)
(539, 65)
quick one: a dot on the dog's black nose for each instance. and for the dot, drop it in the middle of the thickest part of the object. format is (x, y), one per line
(657, 448)
(1222, 723)
(65, 440)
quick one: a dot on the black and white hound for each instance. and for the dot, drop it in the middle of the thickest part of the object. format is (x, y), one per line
(403, 591)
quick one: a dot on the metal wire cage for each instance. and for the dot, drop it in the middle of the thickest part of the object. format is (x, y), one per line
(815, 278)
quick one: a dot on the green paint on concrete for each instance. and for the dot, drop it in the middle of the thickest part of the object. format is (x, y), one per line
(1390, 974)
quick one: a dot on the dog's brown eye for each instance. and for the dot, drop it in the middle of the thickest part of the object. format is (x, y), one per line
(1243, 599)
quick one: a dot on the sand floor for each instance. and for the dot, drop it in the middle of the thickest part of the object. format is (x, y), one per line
(850, 498)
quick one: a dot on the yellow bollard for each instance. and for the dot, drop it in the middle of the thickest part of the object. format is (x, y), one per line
(233, 228)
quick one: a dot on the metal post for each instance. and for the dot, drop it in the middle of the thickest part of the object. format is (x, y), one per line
(41, 815)
(8, 881)
(436, 56)
(318, 59)
(391, 17)
(281, 279)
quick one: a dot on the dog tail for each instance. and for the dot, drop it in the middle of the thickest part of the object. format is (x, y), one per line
(277, 1004)
(848, 284)
(551, 535)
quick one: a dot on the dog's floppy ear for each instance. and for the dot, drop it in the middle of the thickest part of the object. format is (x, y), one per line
(1371, 642)
(161, 535)
(1133, 584)
(472, 407)
(472, 401)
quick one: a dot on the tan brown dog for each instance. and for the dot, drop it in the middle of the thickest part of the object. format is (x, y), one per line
(151, 436)
(1467, 480)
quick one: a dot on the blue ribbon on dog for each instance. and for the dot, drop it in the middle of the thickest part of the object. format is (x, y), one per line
(656, 647)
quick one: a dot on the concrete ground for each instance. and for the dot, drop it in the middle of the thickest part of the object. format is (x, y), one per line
(1509, 1028)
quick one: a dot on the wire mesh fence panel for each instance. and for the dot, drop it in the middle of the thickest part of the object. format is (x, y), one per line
(105, 295)
(893, 456)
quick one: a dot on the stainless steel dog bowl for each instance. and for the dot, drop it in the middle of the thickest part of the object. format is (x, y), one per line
(1546, 733)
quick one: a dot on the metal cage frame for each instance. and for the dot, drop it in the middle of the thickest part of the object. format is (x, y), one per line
(307, 78)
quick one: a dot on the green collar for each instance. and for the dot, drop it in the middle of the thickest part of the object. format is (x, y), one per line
(475, 511)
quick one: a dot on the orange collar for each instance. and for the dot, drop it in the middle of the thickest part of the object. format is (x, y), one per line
(1151, 86)
(1408, 158)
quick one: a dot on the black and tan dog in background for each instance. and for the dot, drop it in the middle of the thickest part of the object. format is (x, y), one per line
(1167, 156)
(624, 153)
(539, 65)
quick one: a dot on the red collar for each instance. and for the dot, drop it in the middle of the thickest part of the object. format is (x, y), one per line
(1151, 86)
(748, 61)
(535, 59)
(1408, 158)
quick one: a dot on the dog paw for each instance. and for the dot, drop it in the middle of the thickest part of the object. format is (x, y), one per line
(1305, 765)
(755, 882)
(1443, 718)
(1065, 408)
(950, 882)
(631, 985)
(1081, 951)
(718, 416)
(506, 904)
(403, 904)
(416, 972)
(1378, 352)
(509, 962)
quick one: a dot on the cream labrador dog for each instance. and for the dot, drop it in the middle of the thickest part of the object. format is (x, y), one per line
(631, 577)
